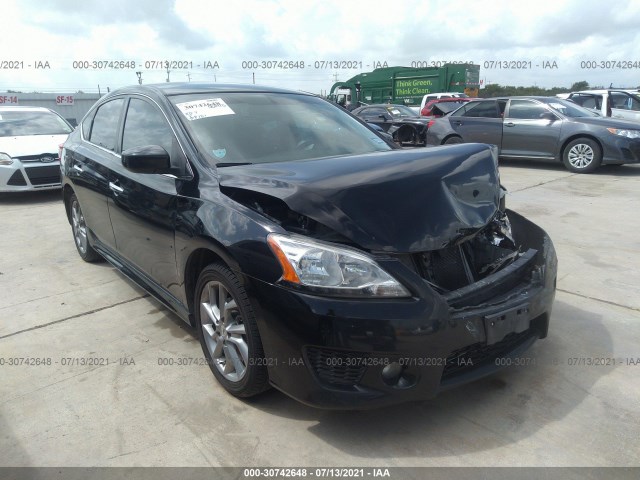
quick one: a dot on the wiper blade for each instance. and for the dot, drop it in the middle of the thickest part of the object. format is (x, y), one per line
(232, 164)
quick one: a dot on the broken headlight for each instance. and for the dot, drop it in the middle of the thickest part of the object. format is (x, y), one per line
(332, 270)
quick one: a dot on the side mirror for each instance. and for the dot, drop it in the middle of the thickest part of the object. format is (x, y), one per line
(384, 117)
(548, 116)
(147, 159)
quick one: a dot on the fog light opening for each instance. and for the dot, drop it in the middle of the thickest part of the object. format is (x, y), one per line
(394, 375)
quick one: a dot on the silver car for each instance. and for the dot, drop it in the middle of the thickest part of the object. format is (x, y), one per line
(29, 143)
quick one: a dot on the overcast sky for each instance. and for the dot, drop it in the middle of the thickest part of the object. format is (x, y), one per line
(61, 32)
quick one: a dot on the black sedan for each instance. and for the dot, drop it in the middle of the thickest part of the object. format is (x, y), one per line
(308, 253)
(547, 128)
(402, 123)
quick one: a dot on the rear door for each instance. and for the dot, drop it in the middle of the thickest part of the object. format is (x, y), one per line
(89, 165)
(479, 122)
(526, 133)
(142, 207)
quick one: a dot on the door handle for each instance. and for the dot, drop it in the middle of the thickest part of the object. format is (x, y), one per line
(509, 124)
(458, 122)
(115, 188)
(77, 167)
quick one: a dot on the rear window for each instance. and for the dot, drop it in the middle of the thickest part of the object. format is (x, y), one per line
(18, 124)
(232, 128)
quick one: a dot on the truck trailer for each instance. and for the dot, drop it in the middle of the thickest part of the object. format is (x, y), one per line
(405, 85)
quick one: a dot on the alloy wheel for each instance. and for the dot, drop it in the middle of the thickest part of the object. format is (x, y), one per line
(581, 155)
(79, 227)
(224, 331)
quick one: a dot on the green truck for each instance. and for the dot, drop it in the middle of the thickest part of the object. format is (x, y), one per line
(405, 85)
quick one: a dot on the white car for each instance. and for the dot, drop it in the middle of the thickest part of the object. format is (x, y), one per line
(29, 148)
(435, 96)
(624, 104)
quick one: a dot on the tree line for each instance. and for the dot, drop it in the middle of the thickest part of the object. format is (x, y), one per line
(496, 90)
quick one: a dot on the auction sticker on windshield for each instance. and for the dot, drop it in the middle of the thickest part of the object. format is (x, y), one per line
(212, 107)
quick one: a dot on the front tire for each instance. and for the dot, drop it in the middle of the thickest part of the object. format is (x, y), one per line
(81, 232)
(228, 332)
(582, 155)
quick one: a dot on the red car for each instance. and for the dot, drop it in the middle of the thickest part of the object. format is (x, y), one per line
(441, 106)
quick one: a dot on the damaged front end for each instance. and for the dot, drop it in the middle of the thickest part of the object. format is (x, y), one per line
(475, 282)
(471, 260)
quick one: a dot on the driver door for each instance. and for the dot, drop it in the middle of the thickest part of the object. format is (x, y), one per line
(530, 130)
(142, 207)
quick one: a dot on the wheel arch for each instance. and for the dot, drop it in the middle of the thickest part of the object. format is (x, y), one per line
(451, 135)
(198, 259)
(570, 139)
(67, 192)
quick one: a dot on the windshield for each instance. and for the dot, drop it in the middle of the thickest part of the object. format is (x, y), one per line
(400, 111)
(570, 109)
(18, 124)
(237, 128)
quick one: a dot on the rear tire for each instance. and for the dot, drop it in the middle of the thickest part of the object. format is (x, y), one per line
(452, 140)
(582, 155)
(81, 232)
(228, 332)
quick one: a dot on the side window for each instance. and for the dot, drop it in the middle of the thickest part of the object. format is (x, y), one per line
(502, 104)
(145, 125)
(481, 109)
(374, 112)
(624, 101)
(587, 101)
(86, 125)
(617, 100)
(104, 131)
(525, 109)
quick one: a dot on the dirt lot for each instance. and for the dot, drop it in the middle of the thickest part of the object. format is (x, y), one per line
(576, 404)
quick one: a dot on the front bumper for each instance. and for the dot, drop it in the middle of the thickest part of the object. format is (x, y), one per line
(31, 176)
(621, 150)
(335, 353)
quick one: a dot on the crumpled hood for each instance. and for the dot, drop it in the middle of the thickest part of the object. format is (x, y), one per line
(415, 120)
(31, 145)
(396, 201)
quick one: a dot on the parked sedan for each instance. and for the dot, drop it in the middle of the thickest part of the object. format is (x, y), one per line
(316, 257)
(541, 128)
(402, 123)
(29, 142)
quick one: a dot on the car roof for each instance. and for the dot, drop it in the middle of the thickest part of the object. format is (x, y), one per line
(385, 105)
(25, 109)
(607, 90)
(518, 97)
(182, 88)
(453, 99)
